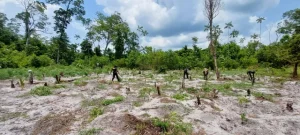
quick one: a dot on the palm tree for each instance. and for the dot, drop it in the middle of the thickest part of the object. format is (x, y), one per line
(242, 40)
(228, 26)
(234, 34)
(254, 36)
(260, 20)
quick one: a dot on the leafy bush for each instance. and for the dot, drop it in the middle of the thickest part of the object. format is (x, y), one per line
(243, 100)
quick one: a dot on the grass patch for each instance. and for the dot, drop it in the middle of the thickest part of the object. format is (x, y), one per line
(101, 86)
(80, 83)
(95, 112)
(45, 90)
(13, 115)
(41, 91)
(225, 89)
(93, 102)
(173, 125)
(192, 90)
(243, 100)
(92, 131)
(144, 92)
(180, 96)
(241, 85)
(137, 103)
(107, 102)
(263, 96)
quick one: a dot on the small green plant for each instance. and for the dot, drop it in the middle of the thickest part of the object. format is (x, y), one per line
(243, 100)
(41, 91)
(145, 91)
(162, 124)
(192, 90)
(180, 96)
(80, 83)
(93, 102)
(92, 131)
(263, 96)
(95, 112)
(22, 83)
(107, 102)
(137, 103)
(173, 125)
(243, 118)
(102, 86)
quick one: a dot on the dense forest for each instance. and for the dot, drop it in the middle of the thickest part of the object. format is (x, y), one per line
(22, 46)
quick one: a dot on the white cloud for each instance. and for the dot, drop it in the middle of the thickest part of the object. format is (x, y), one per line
(252, 19)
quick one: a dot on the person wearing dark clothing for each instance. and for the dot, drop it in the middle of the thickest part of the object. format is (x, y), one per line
(186, 73)
(251, 76)
(115, 73)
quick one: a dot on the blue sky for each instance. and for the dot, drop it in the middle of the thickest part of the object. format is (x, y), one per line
(172, 23)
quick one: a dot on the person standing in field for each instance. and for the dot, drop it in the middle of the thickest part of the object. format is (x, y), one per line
(115, 73)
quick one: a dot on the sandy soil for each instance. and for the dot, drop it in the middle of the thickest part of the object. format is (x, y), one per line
(63, 112)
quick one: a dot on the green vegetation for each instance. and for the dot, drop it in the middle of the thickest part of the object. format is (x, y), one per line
(13, 115)
(92, 131)
(180, 96)
(243, 100)
(93, 102)
(243, 118)
(173, 125)
(145, 91)
(95, 112)
(263, 96)
(45, 90)
(107, 102)
(80, 83)
(137, 103)
(59, 55)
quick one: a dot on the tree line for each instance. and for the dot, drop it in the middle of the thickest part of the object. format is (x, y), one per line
(30, 49)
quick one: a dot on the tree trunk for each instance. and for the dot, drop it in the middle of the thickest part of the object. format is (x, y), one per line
(216, 65)
(57, 57)
(295, 72)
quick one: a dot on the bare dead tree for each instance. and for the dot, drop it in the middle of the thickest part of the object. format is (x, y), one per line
(211, 11)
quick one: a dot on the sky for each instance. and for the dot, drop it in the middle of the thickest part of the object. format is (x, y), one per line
(171, 24)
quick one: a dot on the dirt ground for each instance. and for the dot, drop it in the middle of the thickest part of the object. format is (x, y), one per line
(67, 109)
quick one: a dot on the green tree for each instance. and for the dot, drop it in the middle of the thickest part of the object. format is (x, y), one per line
(291, 26)
(87, 48)
(63, 19)
(33, 17)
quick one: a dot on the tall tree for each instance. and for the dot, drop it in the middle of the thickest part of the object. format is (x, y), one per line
(33, 17)
(291, 26)
(260, 20)
(63, 18)
(228, 26)
(212, 8)
(105, 28)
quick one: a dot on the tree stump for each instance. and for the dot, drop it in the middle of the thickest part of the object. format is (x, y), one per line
(45, 84)
(155, 84)
(198, 100)
(289, 106)
(248, 92)
(158, 90)
(12, 85)
(30, 77)
(190, 77)
(57, 79)
(183, 84)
